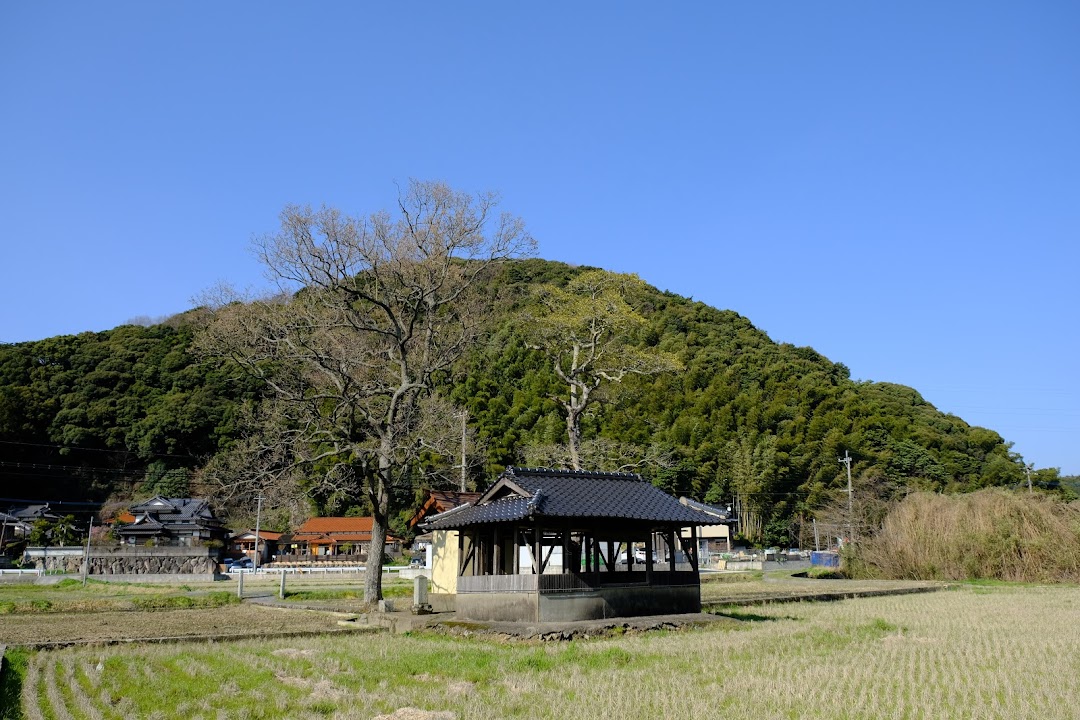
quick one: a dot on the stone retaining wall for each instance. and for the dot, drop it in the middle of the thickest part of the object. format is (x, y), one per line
(128, 560)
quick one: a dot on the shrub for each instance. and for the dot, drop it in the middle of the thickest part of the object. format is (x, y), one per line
(989, 534)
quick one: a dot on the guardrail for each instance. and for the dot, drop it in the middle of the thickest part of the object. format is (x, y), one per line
(312, 570)
(17, 571)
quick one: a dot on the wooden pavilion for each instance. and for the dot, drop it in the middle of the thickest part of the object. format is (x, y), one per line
(546, 545)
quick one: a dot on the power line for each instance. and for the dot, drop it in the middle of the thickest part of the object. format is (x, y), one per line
(80, 448)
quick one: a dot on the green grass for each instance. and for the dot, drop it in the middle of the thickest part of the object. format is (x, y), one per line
(941, 655)
(11, 682)
(219, 598)
(71, 596)
(397, 590)
(733, 577)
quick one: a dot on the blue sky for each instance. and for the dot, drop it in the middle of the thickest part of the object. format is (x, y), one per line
(897, 186)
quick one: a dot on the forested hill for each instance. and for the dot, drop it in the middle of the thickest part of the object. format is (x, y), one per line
(132, 410)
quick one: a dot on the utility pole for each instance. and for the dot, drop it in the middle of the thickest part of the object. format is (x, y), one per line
(86, 555)
(846, 461)
(3, 531)
(258, 517)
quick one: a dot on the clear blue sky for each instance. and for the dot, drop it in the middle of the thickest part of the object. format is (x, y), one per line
(896, 185)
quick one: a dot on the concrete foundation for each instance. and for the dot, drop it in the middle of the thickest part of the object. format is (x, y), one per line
(598, 604)
(442, 602)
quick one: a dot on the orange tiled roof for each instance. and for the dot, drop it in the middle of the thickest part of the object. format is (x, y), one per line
(336, 538)
(439, 501)
(336, 525)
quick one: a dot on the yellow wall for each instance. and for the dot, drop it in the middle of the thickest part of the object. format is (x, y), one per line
(444, 561)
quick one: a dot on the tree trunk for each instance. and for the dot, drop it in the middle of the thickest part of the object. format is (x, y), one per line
(380, 511)
(573, 433)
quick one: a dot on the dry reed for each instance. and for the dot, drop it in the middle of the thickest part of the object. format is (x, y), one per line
(990, 534)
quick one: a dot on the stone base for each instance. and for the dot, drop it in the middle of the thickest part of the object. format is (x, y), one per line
(599, 604)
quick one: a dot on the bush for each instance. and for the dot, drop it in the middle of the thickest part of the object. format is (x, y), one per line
(990, 534)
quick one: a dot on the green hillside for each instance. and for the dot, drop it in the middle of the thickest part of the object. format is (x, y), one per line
(745, 420)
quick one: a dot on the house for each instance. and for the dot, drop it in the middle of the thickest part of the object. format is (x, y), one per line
(545, 545)
(713, 539)
(242, 544)
(172, 521)
(436, 502)
(322, 539)
(13, 527)
(439, 501)
(13, 535)
(31, 513)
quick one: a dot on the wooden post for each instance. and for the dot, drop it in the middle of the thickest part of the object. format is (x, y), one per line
(517, 550)
(650, 548)
(538, 538)
(670, 537)
(281, 590)
(694, 549)
(566, 560)
(496, 553)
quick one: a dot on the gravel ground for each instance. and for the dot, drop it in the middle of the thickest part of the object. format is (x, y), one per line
(230, 622)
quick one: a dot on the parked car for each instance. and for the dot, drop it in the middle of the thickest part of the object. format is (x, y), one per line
(416, 562)
(239, 564)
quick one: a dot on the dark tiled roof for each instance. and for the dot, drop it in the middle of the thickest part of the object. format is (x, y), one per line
(565, 494)
(160, 514)
(721, 515)
(175, 509)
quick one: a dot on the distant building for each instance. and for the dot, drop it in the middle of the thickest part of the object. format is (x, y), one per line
(13, 535)
(712, 539)
(13, 527)
(424, 545)
(31, 513)
(243, 544)
(172, 521)
(323, 539)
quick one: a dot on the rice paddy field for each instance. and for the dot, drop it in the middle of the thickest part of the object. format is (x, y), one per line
(1002, 651)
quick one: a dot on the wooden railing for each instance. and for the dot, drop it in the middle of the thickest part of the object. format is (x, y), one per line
(557, 583)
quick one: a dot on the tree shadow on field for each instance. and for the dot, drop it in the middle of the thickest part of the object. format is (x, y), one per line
(11, 680)
(740, 614)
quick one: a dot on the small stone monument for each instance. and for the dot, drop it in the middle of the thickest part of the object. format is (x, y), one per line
(420, 596)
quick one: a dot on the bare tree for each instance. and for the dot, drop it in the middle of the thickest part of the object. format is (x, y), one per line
(371, 311)
(860, 516)
(584, 330)
(603, 453)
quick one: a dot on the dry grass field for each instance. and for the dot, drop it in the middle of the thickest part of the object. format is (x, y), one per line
(970, 652)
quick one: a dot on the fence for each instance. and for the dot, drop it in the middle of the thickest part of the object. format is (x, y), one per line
(314, 570)
(572, 582)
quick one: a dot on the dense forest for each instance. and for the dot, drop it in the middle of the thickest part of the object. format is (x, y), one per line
(744, 421)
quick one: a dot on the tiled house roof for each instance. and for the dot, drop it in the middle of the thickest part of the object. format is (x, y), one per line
(175, 517)
(522, 493)
(440, 501)
(721, 515)
(326, 525)
(263, 535)
(325, 530)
